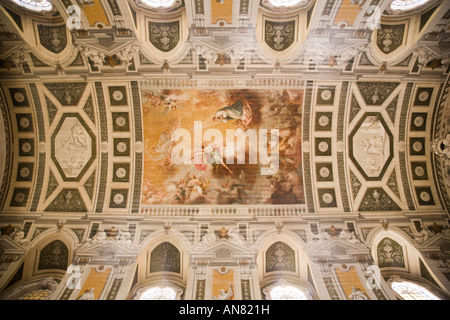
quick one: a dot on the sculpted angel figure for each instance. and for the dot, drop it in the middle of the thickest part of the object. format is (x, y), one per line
(19, 236)
(99, 236)
(208, 239)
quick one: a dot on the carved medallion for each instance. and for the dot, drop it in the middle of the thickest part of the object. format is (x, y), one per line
(279, 35)
(164, 36)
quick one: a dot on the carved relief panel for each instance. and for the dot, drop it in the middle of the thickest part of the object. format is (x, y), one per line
(390, 254)
(280, 257)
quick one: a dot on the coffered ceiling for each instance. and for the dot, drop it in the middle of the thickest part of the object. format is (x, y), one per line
(91, 91)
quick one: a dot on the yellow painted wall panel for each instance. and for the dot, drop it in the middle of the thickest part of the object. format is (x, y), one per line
(222, 281)
(347, 13)
(96, 280)
(222, 11)
(349, 279)
(96, 13)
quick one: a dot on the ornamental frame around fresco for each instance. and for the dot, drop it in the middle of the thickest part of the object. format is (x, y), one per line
(166, 110)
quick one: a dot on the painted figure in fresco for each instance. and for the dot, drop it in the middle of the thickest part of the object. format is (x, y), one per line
(192, 189)
(229, 192)
(210, 154)
(224, 294)
(357, 295)
(240, 111)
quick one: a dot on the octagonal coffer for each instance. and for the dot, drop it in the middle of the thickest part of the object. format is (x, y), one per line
(73, 147)
(371, 146)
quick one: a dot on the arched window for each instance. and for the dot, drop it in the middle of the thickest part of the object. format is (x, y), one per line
(286, 293)
(404, 5)
(157, 293)
(412, 291)
(283, 290)
(285, 3)
(159, 3)
(35, 5)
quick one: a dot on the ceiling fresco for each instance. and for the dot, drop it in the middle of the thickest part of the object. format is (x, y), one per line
(224, 175)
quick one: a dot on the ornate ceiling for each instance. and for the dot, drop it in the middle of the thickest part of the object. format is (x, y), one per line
(91, 90)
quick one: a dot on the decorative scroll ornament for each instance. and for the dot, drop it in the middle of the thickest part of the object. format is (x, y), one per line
(280, 257)
(166, 258)
(53, 38)
(164, 36)
(390, 254)
(279, 35)
(390, 37)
